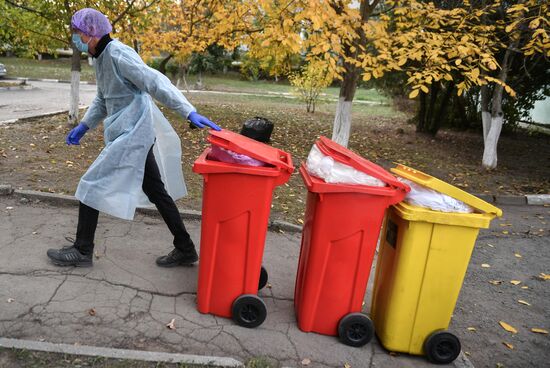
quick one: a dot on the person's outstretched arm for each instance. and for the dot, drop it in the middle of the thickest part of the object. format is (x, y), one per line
(156, 84)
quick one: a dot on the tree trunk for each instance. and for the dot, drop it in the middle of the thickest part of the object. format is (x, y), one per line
(485, 112)
(75, 88)
(421, 120)
(489, 160)
(199, 81)
(435, 123)
(342, 117)
(461, 110)
(430, 112)
(162, 65)
(182, 77)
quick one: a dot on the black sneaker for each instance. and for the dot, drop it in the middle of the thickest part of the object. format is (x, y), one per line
(69, 256)
(178, 258)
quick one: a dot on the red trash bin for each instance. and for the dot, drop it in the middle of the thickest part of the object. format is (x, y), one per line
(235, 214)
(341, 229)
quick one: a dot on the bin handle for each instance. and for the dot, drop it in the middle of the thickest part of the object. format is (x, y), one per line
(335, 153)
(307, 178)
(216, 140)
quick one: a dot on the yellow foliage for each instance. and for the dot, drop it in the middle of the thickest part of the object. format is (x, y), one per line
(311, 80)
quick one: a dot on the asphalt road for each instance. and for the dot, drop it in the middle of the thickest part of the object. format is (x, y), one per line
(42, 98)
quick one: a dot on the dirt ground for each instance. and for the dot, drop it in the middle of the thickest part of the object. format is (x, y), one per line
(33, 153)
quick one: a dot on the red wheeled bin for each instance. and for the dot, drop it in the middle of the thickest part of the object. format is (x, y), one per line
(341, 229)
(235, 214)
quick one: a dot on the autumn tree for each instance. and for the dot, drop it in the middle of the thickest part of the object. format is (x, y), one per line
(522, 31)
(309, 82)
(50, 20)
(183, 28)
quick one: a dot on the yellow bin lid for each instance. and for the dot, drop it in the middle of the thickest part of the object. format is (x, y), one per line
(439, 185)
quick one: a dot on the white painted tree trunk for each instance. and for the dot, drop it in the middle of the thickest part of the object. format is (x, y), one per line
(486, 121)
(490, 151)
(75, 98)
(492, 124)
(342, 122)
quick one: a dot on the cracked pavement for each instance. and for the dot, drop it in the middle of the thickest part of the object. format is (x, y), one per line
(125, 300)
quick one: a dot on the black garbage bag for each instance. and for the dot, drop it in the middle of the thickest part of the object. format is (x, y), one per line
(258, 128)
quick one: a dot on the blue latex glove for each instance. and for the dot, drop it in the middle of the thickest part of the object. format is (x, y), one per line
(201, 121)
(76, 134)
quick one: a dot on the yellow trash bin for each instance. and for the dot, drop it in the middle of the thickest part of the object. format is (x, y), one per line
(422, 261)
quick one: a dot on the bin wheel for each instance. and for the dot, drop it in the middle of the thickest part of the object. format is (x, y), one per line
(355, 329)
(442, 347)
(263, 278)
(249, 311)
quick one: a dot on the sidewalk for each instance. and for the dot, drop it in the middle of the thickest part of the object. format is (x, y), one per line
(125, 300)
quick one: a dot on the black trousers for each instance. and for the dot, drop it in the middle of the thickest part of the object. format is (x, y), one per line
(154, 188)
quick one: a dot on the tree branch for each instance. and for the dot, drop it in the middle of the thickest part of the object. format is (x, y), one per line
(30, 10)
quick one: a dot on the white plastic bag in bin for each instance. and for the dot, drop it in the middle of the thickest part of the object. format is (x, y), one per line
(331, 171)
(434, 200)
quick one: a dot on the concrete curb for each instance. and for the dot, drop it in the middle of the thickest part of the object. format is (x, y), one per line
(148, 356)
(57, 112)
(48, 80)
(67, 200)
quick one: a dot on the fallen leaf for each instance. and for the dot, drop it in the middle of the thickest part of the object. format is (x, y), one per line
(11, 300)
(268, 285)
(504, 225)
(540, 331)
(485, 265)
(518, 255)
(508, 345)
(467, 353)
(495, 282)
(500, 365)
(523, 302)
(507, 327)
(171, 325)
(472, 329)
(525, 287)
(515, 282)
(306, 361)
(347, 365)
(491, 245)
(505, 232)
(91, 312)
(9, 208)
(544, 276)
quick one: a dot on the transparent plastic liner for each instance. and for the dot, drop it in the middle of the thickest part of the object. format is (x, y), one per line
(224, 155)
(434, 200)
(326, 168)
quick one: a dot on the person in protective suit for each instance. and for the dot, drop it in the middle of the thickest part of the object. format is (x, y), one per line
(141, 160)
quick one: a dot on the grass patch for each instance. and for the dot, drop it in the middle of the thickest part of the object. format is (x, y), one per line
(49, 69)
(234, 83)
(22, 358)
(60, 68)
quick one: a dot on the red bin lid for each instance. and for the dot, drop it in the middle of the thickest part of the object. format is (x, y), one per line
(246, 146)
(350, 158)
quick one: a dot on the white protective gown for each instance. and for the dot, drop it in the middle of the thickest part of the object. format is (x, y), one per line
(132, 124)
